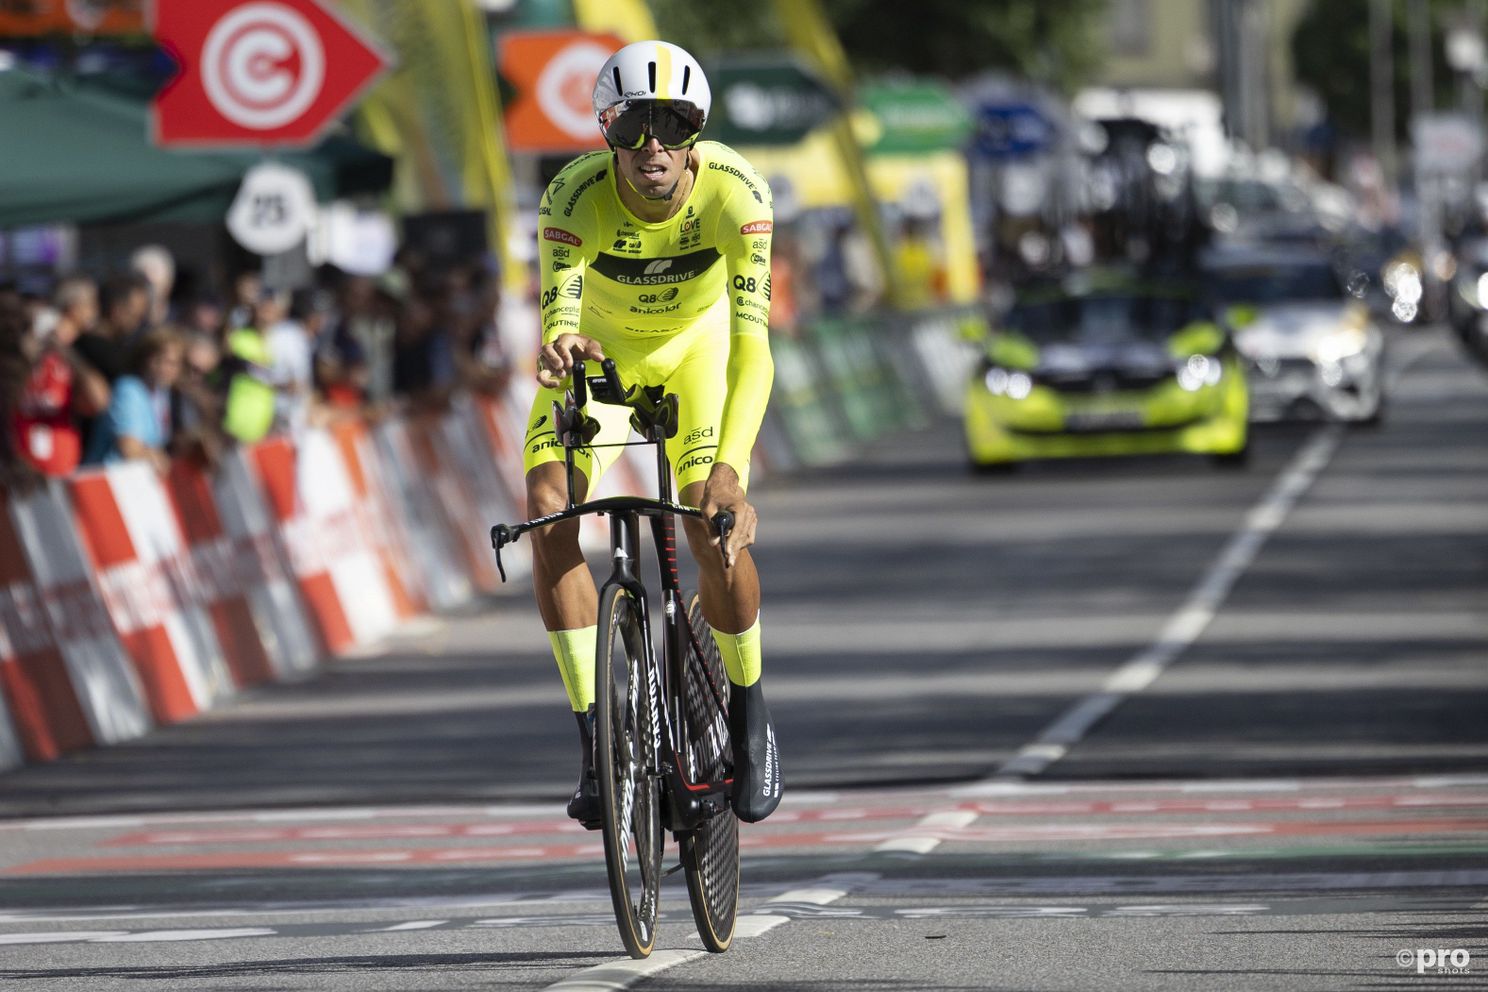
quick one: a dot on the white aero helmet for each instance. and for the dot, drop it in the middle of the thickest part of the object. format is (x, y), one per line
(651, 88)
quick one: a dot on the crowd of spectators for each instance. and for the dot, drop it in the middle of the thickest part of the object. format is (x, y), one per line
(94, 371)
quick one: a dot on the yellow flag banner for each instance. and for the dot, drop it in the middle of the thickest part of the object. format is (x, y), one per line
(629, 20)
(438, 113)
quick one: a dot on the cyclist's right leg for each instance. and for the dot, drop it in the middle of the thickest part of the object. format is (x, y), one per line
(567, 600)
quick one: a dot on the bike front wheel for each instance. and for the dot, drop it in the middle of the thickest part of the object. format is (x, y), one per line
(625, 745)
(709, 852)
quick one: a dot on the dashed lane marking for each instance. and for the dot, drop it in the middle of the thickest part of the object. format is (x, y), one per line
(1191, 620)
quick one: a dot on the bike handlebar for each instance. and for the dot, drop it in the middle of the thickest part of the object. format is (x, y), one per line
(504, 534)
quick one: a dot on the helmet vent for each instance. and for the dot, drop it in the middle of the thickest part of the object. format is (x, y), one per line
(618, 87)
(686, 75)
(651, 68)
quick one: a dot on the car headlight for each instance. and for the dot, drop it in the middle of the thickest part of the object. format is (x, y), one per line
(1403, 282)
(1013, 384)
(1335, 346)
(1197, 371)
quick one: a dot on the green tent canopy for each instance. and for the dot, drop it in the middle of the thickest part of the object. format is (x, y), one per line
(73, 154)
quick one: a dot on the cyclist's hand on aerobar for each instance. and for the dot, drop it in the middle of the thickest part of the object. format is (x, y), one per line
(556, 359)
(723, 492)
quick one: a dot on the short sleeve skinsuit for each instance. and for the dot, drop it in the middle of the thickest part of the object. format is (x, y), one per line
(683, 303)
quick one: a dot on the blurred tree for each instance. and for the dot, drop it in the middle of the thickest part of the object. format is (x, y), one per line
(1330, 49)
(1054, 42)
(705, 32)
(1051, 41)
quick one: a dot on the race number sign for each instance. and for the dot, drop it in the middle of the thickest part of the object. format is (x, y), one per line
(258, 72)
(273, 211)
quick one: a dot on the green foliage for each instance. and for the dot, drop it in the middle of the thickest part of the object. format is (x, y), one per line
(1330, 48)
(1051, 41)
(706, 31)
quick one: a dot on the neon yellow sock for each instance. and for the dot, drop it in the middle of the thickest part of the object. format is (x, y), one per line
(741, 654)
(574, 652)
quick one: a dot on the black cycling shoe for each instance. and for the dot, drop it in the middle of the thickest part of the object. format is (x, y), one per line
(585, 806)
(757, 788)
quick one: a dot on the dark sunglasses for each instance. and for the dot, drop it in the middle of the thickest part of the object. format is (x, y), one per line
(674, 123)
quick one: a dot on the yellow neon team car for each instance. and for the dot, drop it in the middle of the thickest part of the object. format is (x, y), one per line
(1127, 370)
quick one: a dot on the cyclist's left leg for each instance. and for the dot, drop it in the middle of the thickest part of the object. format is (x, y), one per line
(730, 596)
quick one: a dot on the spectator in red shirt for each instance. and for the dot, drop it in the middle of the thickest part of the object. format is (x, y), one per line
(61, 387)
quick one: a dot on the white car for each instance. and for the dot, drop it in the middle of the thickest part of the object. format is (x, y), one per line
(1312, 350)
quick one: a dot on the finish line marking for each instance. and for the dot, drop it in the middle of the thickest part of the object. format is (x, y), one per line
(1191, 620)
(622, 974)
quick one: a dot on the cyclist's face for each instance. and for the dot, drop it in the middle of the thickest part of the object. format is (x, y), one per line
(652, 170)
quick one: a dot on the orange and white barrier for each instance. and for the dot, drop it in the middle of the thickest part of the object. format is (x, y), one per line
(267, 581)
(340, 577)
(379, 523)
(434, 556)
(128, 600)
(70, 683)
(151, 589)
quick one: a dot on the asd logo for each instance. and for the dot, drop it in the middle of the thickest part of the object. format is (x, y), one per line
(698, 435)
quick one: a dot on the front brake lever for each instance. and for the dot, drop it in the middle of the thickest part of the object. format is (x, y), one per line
(501, 536)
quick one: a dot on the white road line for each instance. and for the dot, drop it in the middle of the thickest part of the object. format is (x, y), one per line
(618, 975)
(1193, 617)
(924, 837)
(621, 974)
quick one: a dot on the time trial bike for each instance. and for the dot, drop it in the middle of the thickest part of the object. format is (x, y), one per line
(664, 758)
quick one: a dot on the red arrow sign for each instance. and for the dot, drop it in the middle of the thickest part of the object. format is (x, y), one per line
(258, 72)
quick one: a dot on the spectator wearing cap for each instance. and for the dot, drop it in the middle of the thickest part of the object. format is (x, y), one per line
(60, 387)
(137, 424)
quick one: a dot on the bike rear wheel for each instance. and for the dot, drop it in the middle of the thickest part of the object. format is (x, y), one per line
(625, 763)
(710, 852)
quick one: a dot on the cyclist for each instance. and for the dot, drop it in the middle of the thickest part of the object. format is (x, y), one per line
(656, 253)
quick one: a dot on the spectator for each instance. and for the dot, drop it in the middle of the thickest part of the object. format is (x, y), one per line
(137, 424)
(247, 288)
(126, 305)
(249, 410)
(423, 360)
(60, 387)
(197, 402)
(155, 263)
(341, 372)
(371, 313)
(15, 366)
(291, 370)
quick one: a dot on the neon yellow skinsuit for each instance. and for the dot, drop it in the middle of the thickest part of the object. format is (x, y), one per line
(683, 303)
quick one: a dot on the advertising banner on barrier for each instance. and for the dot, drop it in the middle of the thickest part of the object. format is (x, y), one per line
(379, 522)
(98, 699)
(342, 581)
(150, 587)
(275, 605)
(223, 570)
(454, 499)
(430, 549)
(38, 690)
